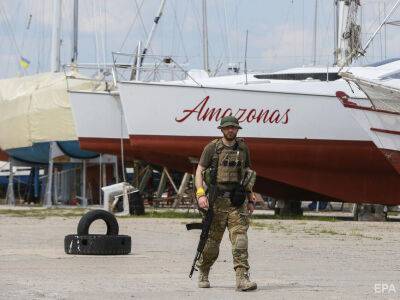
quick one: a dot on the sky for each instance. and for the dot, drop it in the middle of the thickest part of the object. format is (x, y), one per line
(280, 32)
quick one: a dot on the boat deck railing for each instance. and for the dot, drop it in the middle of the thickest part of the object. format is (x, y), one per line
(131, 67)
(90, 77)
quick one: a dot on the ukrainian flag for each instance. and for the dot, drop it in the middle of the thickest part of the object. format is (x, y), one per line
(24, 62)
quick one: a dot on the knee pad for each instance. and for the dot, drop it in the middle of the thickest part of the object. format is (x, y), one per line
(241, 242)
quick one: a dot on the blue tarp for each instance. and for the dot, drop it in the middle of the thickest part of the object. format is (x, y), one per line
(38, 153)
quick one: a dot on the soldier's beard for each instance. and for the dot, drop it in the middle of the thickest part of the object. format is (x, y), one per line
(229, 136)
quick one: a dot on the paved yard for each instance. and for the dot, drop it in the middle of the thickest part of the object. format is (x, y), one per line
(289, 259)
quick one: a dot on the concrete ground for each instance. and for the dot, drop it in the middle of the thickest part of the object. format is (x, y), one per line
(290, 259)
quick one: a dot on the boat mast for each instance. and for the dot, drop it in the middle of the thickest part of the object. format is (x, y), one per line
(206, 65)
(56, 37)
(153, 30)
(74, 55)
(336, 30)
(315, 34)
(340, 51)
(348, 32)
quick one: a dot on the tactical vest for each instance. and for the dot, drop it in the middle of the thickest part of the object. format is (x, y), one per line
(231, 162)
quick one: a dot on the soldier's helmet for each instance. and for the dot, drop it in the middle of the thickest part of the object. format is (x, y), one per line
(229, 121)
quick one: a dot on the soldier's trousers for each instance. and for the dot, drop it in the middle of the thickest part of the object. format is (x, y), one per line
(237, 221)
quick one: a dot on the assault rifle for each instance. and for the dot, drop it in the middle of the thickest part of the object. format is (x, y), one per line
(204, 226)
(207, 220)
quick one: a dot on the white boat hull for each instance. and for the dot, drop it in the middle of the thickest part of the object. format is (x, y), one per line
(382, 126)
(157, 109)
(98, 115)
(301, 145)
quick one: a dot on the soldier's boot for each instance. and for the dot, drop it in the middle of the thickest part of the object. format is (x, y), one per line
(203, 278)
(243, 282)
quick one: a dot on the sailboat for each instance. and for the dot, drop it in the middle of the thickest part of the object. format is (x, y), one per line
(304, 144)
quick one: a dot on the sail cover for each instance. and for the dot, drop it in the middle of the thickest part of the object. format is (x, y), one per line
(36, 109)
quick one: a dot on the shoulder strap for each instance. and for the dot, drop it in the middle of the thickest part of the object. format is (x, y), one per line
(214, 162)
(218, 146)
(240, 143)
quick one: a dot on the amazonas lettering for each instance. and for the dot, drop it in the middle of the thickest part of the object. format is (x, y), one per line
(249, 115)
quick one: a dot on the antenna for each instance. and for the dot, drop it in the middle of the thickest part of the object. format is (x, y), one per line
(245, 55)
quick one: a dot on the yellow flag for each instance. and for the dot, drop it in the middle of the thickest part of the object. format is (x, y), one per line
(24, 62)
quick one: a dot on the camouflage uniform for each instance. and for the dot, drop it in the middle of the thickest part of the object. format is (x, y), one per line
(237, 221)
(233, 173)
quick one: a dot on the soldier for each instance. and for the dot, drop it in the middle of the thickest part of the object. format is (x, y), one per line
(233, 163)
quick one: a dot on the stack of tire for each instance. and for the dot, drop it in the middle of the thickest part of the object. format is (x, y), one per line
(110, 243)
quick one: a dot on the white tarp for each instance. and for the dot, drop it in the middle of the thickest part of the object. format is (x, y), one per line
(36, 109)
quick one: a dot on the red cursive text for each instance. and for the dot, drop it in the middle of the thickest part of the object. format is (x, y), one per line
(204, 113)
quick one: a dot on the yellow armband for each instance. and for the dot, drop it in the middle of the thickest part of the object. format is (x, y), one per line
(200, 192)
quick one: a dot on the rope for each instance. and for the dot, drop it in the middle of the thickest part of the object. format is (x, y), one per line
(178, 27)
(197, 17)
(131, 26)
(140, 18)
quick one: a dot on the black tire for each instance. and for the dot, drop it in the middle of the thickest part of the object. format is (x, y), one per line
(97, 244)
(88, 218)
